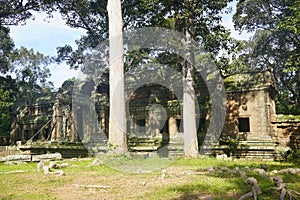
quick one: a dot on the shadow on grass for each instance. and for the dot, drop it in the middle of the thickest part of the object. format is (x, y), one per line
(294, 161)
(210, 187)
(264, 182)
(231, 186)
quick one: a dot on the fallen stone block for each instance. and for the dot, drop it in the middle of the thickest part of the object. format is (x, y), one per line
(49, 156)
(19, 157)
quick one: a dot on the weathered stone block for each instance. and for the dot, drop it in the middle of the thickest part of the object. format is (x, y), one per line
(52, 156)
(24, 158)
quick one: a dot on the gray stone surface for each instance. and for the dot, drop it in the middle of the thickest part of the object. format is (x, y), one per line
(50, 156)
(24, 158)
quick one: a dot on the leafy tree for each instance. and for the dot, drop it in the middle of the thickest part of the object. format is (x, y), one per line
(23, 73)
(275, 45)
(8, 88)
(5, 119)
(25, 81)
(91, 16)
(31, 73)
(6, 47)
(13, 12)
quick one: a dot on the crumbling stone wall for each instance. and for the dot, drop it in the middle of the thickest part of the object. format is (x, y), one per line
(250, 107)
(288, 134)
(49, 118)
(30, 121)
(250, 99)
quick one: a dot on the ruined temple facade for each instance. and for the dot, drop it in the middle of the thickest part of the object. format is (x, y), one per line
(250, 116)
(250, 106)
(48, 119)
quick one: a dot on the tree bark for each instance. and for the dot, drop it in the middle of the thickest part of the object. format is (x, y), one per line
(189, 111)
(117, 115)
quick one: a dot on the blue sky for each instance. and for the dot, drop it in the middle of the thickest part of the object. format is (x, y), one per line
(44, 35)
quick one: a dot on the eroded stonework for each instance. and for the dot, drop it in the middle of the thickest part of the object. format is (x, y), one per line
(250, 116)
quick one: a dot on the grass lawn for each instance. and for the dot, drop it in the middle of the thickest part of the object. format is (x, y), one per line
(184, 179)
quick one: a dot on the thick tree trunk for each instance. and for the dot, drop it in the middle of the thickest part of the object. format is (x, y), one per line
(117, 115)
(298, 89)
(189, 111)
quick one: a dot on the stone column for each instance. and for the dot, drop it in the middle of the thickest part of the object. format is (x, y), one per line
(73, 132)
(173, 129)
(102, 120)
(66, 122)
(36, 109)
(57, 122)
(14, 134)
(84, 122)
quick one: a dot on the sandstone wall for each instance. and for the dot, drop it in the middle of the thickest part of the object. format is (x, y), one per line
(288, 134)
(255, 107)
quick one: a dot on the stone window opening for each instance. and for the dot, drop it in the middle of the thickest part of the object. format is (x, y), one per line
(244, 124)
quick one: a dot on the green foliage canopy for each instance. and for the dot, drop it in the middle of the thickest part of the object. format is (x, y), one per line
(275, 45)
(23, 72)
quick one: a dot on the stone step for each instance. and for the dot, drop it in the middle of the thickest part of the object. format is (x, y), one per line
(97, 150)
(142, 143)
(97, 143)
(143, 148)
(258, 142)
(67, 150)
(257, 154)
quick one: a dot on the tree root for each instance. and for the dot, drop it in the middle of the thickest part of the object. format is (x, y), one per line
(282, 188)
(252, 182)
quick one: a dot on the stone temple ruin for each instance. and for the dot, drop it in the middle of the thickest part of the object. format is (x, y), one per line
(252, 129)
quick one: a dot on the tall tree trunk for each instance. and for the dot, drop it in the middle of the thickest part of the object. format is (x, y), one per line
(117, 115)
(189, 112)
(298, 89)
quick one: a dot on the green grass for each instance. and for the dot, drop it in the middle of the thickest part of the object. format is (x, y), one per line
(177, 185)
(24, 167)
(137, 164)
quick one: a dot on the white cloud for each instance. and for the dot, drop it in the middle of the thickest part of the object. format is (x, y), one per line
(45, 35)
